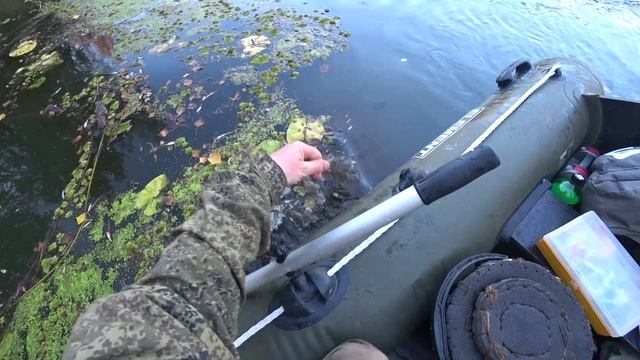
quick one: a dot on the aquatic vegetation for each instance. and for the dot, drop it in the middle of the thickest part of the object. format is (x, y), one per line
(122, 207)
(148, 199)
(120, 236)
(268, 146)
(23, 48)
(127, 239)
(243, 75)
(32, 76)
(115, 100)
(260, 59)
(33, 334)
(304, 129)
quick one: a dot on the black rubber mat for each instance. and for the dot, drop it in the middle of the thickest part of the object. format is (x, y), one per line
(531, 315)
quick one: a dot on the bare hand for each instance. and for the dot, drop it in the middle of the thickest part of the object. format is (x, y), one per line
(298, 160)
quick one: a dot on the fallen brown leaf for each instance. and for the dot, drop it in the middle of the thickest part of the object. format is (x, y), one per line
(164, 133)
(215, 158)
(199, 123)
(203, 160)
(168, 200)
(195, 153)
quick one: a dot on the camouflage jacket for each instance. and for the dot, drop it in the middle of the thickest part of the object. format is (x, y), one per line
(187, 306)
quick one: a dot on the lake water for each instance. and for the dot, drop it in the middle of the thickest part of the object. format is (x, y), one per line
(412, 68)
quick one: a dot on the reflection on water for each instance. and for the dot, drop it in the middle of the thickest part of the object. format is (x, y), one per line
(412, 68)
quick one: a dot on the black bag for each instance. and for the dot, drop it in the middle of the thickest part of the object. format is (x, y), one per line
(613, 191)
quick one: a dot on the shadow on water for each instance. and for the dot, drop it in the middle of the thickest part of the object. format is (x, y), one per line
(411, 70)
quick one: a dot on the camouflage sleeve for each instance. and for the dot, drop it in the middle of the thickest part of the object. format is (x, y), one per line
(187, 306)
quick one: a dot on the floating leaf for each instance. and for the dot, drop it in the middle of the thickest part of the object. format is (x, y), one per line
(300, 190)
(314, 131)
(3, 116)
(260, 59)
(123, 127)
(295, 131)
(268, 146)
(47, 263)
(301, 129)
(80, 219)
(163, 133)
(37, 83)
(215, 158)
(195, 153)
(164, 47)
(160, 48)
(310, 203)
(203, 160)
(23, 48)
(52, 247)
(148, 198)
(187, 82)
(199, 123)
(254, 44)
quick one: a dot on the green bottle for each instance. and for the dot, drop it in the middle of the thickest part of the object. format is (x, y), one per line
(568, 189)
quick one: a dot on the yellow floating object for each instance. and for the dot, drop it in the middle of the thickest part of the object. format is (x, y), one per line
(23, 48)
(302, 129)
(80, 219)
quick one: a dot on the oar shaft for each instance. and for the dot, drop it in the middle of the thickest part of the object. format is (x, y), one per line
(337, 239)
(437, 184)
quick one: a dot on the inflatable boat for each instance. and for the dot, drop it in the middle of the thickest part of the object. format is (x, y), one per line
(540, 114)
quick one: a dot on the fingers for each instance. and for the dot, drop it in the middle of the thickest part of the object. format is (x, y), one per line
(315, 168)
(298, 160)
(309, 152)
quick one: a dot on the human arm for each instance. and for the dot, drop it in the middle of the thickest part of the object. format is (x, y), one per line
(187, 306)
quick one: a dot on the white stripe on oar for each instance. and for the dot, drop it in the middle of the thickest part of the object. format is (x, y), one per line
(511, 109)
(360, 248)
(258, 326)
(334, 269)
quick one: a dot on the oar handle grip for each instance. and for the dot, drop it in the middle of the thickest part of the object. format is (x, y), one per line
(456, 174)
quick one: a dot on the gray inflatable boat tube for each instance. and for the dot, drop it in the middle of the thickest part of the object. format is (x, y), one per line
(394, 282)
